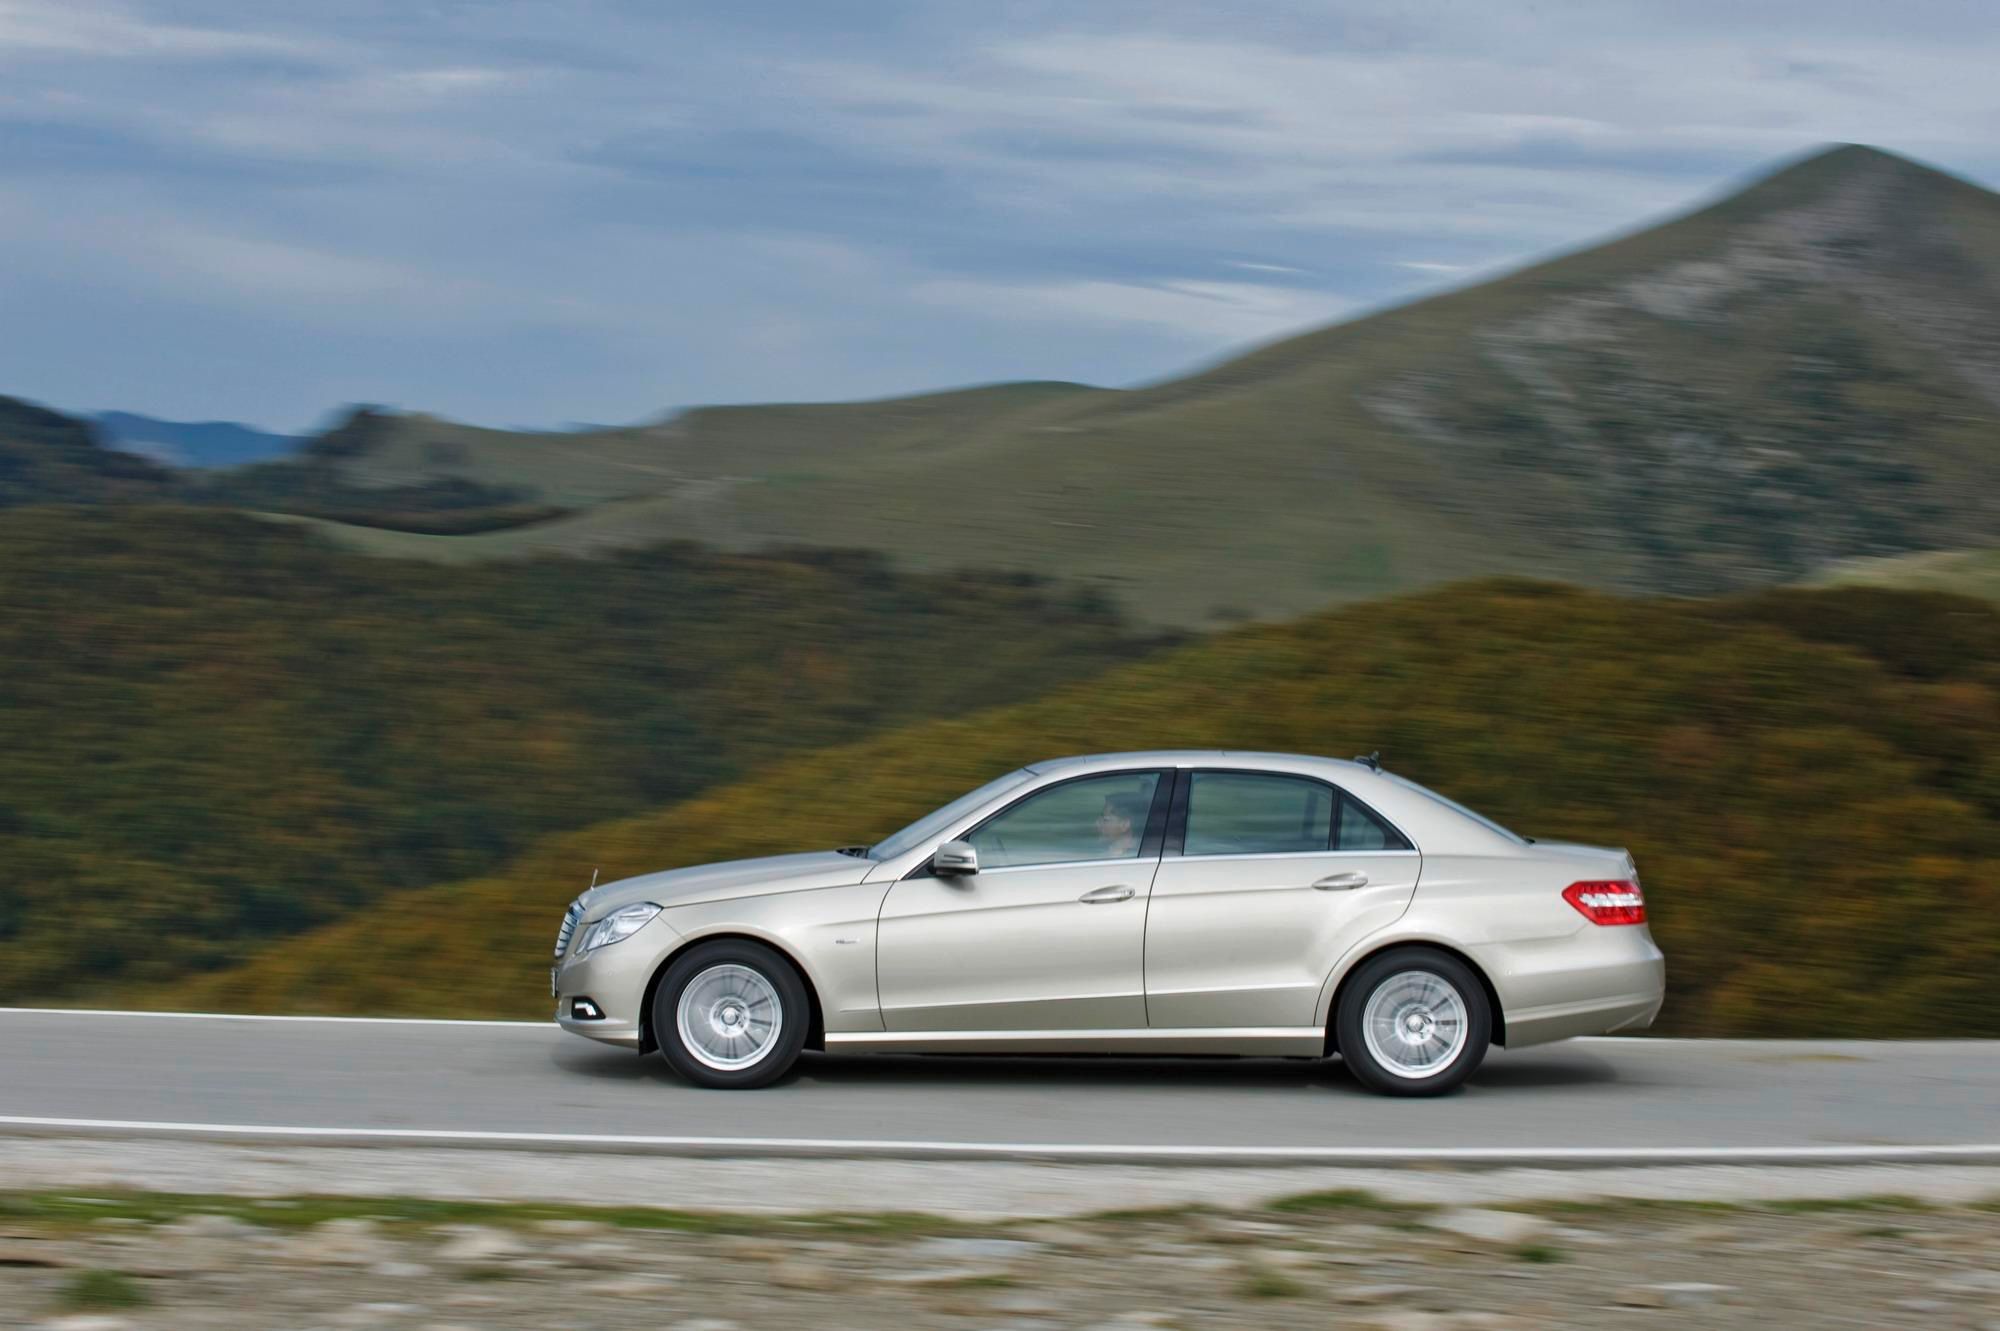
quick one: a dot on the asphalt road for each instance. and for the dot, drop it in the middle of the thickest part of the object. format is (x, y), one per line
(136, 1075)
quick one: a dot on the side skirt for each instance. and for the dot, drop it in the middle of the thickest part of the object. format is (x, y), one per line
(1291, 1041)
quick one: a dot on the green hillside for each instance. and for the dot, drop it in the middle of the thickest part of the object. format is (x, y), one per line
(1798, 374)
(1809, 782)
(1966, 572)
(215, 730)
(49, 458)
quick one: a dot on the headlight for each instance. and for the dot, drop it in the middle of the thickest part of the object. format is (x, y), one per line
(620, 923)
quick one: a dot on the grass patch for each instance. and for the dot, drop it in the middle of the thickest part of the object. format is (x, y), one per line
(88, 1291)
(1643, 1208)
(1540, 1254)
(1343, 1199)
(1264, 1283)
(1848, 1205)
(1611, 1209)
(1140, 1215)
(67, 1210)
(1397, 1215)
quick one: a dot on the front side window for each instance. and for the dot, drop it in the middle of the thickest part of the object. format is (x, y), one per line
(1095, 818)
(1245, 813)
(936, 821)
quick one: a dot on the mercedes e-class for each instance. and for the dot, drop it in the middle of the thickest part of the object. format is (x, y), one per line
(1135, 903)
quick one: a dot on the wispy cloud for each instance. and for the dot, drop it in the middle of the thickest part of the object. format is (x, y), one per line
(1253, 267)
(73, 28)
(1207, 314)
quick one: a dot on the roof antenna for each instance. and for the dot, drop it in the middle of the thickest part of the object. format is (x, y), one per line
(1371, 761)
(593, 879)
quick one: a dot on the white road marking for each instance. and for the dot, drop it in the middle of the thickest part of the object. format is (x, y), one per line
(833, 1146)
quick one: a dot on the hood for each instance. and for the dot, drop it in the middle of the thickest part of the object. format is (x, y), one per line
(732, 878)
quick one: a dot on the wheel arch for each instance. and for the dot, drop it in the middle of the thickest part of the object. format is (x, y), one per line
(816, 1017)
(1361, 958)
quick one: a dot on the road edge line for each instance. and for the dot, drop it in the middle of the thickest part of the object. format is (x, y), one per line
(1375, 1157)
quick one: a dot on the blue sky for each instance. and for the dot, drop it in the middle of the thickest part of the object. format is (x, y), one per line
(538, 212)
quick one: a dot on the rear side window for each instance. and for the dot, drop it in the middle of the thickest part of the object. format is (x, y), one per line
(1245, 813)
(1360, 829)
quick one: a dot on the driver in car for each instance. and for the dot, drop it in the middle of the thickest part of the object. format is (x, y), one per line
(1119, 825)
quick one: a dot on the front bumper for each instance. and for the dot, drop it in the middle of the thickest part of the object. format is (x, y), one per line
(615, 978)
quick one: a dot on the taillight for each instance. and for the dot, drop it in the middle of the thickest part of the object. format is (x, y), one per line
(1608, 902)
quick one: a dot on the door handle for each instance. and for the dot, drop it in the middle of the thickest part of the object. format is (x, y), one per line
(1097, 896)
(1342, 882)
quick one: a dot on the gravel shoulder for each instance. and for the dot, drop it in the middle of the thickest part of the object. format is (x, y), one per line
(964, 1190)
(82, 1261)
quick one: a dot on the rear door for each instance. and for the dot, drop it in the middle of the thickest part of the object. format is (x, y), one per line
(1267, 878)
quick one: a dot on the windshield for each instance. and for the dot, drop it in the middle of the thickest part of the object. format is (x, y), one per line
(931, 824)
(1456, 807)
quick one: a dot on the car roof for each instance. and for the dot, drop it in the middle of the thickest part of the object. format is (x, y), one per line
(1186, 758)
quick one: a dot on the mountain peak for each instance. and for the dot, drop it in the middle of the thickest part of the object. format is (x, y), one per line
(1843, 165)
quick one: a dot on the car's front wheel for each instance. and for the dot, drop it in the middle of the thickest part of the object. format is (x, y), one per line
(730, 1015)
(1413, 1021)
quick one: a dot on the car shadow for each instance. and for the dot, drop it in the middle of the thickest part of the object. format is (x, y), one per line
(1539, 1069)
(1055, 1071)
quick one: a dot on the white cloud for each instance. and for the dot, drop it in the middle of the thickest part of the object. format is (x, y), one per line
(1249, 266)
(1431, 266)
(81, 28)
(1489, 124)
(1206, 313)
(267, 270)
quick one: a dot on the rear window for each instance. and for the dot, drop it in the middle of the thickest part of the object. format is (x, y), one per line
(1258, 813)
(1456, 807)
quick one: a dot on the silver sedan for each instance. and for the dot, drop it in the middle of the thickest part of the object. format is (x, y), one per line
(1133, 903)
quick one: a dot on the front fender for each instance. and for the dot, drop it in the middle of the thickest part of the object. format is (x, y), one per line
(829, 932)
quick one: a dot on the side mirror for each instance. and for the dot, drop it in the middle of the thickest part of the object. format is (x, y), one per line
(954, 858)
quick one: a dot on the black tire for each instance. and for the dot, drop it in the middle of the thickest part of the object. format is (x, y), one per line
(778, 1052)
(1386, 1077)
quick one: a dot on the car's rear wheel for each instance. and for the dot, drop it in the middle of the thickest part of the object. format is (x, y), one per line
(731, 1015)
(1413, 1021)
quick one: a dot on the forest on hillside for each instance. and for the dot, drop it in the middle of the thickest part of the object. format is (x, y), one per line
(241, 766)
(1810, 782)
(216, 730)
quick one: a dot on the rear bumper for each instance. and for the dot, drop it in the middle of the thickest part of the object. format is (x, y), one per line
(1597, 982)
(1624, 1013)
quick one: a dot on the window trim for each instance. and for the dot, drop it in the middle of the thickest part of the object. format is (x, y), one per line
(1150, 841)
(1176, 839)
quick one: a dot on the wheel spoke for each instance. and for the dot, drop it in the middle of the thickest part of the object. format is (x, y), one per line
(1415, 1024)
(729, 1017)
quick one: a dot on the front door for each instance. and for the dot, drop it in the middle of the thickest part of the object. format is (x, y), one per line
(1049, 935)
(1267, 881)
